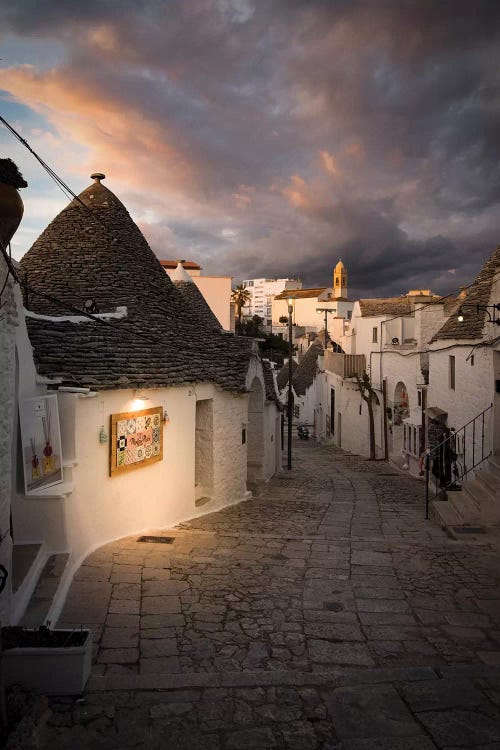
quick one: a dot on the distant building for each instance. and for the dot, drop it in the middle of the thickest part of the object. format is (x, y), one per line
(306, 317)
(215, 289)
(263, 291)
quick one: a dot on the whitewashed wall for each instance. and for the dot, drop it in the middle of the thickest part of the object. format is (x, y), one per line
(354, 434)
(474, 384)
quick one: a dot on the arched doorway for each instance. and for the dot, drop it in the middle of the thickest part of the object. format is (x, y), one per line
(255, 433)
(400, 412)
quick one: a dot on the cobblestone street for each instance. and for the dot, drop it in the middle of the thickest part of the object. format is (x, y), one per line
(324, 613)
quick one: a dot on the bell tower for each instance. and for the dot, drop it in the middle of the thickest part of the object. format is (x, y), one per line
(340, 280)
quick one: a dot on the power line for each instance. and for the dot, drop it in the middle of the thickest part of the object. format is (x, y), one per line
(63, 186)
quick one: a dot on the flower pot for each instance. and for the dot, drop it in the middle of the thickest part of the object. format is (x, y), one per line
(52, 669)
(11, 212)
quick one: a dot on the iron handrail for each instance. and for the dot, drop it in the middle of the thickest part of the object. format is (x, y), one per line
(443, 457)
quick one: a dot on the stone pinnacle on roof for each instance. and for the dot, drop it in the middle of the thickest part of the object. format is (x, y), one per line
(97, 176)
(180, 273)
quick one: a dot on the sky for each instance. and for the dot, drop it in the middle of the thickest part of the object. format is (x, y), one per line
(269, 137)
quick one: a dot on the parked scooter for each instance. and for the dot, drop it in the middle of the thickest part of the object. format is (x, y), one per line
(303, 432)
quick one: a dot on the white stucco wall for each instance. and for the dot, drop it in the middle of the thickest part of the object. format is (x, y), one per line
(352, 431)
(474, 384)
(217, 293)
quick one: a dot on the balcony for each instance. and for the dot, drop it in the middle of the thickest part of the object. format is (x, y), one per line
(345, 365)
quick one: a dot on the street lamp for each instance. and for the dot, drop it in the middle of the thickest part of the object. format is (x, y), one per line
(290, 301)
(485, 308)
(325, 310)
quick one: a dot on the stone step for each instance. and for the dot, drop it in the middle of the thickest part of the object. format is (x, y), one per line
(465, 505)
(480, 495)
(446, 515)
(23, 558)
(490, 481)
(41, 600)
(494, 465)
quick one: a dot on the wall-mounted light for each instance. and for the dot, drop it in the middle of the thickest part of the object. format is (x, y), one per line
(140, 396)
(103, 435)
(492, 318)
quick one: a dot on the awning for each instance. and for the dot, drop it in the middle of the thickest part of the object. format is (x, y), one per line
(434, 412)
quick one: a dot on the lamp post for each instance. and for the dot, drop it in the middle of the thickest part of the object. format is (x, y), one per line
(325, 310)
(290, 375)
(484, 308)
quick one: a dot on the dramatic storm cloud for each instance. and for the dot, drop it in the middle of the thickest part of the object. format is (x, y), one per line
(270, 137)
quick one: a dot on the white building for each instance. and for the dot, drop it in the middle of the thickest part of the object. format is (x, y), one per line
(464, 397)
(263, 292)
(388, 339)
(306, 303)
(215, 289)
(148, 344)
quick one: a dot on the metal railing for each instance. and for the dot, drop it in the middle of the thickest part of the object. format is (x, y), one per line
(449, 461)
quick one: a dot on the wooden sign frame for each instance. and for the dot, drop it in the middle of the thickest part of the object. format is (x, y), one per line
(152, 419)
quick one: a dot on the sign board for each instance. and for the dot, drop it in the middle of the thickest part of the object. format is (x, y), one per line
(136, 439)
(41, 443)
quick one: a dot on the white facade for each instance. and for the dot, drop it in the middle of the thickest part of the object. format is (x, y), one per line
(262, 293)
(306, 316)
(207, 464)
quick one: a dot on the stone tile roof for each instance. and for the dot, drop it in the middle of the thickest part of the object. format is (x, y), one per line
(163, 340)
(301, 293)
(388, 306)
(479, 293)
(403, 305)
(198, 302)
(282, 378)
(271, 394)
(306, 371)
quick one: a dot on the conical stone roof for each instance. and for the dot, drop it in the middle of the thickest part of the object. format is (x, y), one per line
(305, 373)
(96, 252)
(475, 321)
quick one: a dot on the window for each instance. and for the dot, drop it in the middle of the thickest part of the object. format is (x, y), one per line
(472, 361)
(296, 412)
(451, 370)
(374, 335)
(419, 398)
(337, 281)
(269, 322)
(243, 436)
(349, 314)
(361, 407)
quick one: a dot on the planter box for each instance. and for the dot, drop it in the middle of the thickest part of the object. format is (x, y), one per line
(50, 670)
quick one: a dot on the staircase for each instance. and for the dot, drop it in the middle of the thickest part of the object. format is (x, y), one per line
(36, 579)
(477, 506)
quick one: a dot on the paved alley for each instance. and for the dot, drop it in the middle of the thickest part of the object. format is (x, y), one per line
(324, 613)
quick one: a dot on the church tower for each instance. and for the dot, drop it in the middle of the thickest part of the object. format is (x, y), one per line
(340, 280)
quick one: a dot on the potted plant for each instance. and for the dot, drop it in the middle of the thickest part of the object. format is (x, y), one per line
(11, 205)
(53, 662)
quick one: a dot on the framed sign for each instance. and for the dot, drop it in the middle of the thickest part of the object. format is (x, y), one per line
(41, 443)
(136, 439)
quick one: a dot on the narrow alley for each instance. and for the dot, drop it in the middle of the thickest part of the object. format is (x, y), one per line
(324, 613)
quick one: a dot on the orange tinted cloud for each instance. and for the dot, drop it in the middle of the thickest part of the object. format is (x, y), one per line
(138, 152)
(329, 163)
(296, 192)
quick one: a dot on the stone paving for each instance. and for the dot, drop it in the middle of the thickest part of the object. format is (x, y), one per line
(324, 613)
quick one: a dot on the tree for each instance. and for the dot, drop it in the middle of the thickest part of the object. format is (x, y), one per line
(240, 296)
(252, 327)
(368, 394)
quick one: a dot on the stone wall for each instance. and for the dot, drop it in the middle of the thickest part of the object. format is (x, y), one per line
(8, 414)
(204, 444)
